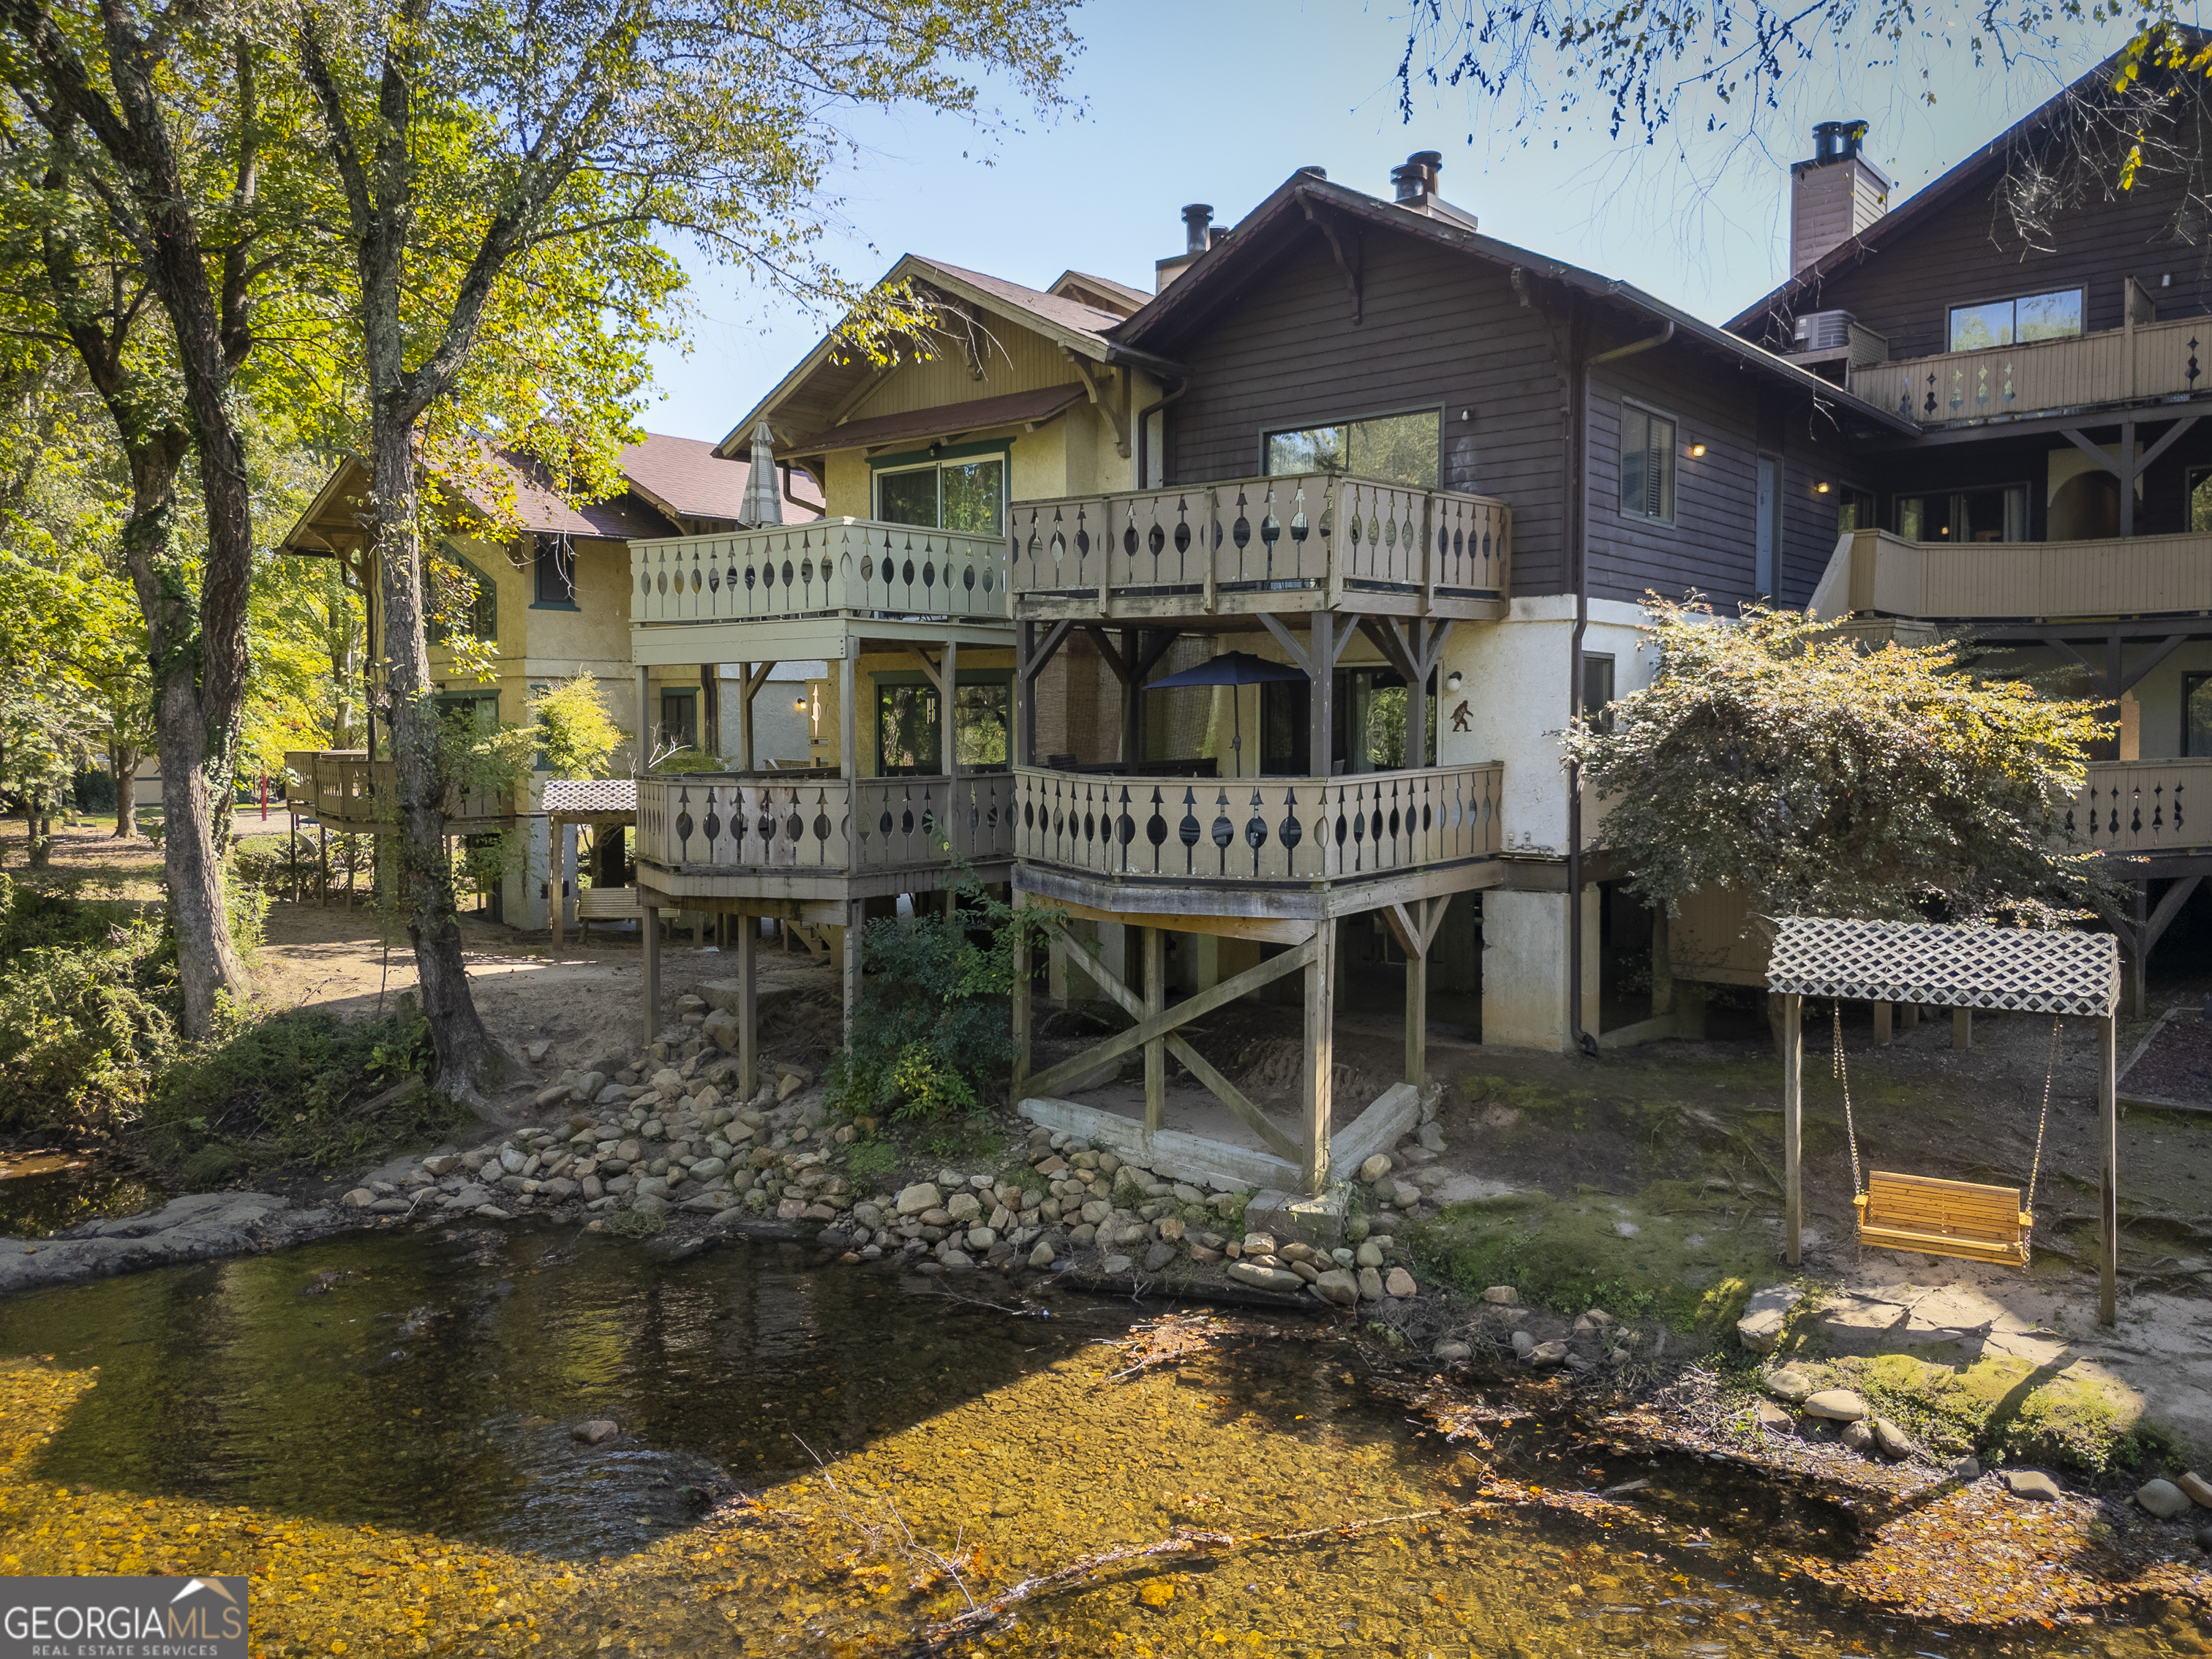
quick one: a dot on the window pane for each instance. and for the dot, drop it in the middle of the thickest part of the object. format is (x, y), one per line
(906, 729)
(1635, 440)
(974, 497)
(1911, 517)
(1316, 449)
(677, 723)
(980, 722)
(1659, 466)
(2197, 721)
(2200, 502)
(2050, 316)
(907, 497)
(1597, 691)
(1976, 328)
(1399, 449)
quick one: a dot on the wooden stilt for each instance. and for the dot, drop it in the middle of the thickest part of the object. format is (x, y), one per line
(1881, 1025)
(1908, 1015)
(2108, 1157)
(1793, 1124)
(1962, 1028)
(1319, 1073)
(1417, 1017)
(648, 979)
(1021, 1000)
(1156, 1051)
(748, 947)
(644, 723)
(856, 917)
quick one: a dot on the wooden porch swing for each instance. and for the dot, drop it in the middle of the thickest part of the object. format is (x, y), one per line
(2055, 973)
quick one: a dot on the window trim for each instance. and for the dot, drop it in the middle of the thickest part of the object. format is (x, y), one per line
(2014, 300)
(1268, 434)
(935, 460)
(487, 596)
(661, 692)
(1674, 464)
(897, 678)
(554, 540)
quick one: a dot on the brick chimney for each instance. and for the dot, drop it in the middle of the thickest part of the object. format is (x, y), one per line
(1835, 195)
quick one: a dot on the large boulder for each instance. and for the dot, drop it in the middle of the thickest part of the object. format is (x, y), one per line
(1768, 1311)
(1837, 1404)
(915, 1200)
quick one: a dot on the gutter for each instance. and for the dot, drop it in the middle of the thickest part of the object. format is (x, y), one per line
(1144, 428)
(1583, 1040)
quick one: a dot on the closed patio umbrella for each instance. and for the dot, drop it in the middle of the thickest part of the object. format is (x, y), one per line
(1232, 668)
(763, 499)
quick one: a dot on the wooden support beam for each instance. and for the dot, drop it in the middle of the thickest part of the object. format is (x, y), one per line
(1318, 1074)
(1908, 1015)
(2108, 1159)
(1156, 1052)
(1962, 1028)
(948, 713)
(856, 919)
(929, 667)
(848, 748)
(1146, 1029)
(643, 759)
(748, 946)
(648, 977)
(1793, 1127)
(1024, 969)
(1881, 1025)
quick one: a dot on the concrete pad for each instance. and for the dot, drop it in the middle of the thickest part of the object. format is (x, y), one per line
(1316, 1221)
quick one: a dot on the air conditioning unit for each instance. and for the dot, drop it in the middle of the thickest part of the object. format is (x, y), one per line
(1824, 331)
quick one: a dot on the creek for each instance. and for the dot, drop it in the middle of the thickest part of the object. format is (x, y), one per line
(380, 1428)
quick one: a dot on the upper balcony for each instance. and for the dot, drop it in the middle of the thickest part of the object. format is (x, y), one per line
(831, 571)
(1315, 541)
(1876, 573)
(2144, 362)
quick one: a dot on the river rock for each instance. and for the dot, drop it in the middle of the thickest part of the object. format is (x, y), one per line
(1114, 1266)
(1859, 1436)
(1772, 1419)
(1266, 1278)
(1449, 1351)
(2032, 1485)
(439, 1164)
(1768, 1311)
(1503, 1296)
(1041, 1255)
(1792, 1383)
(1546, 1353)
(1400, 1284)
(1158, 1256)
(922, 1195)
(1369, 1254)
(630, 1151)
(594, 1430)
(2198, 1488)
(1374, 1169)
(1523, 1343)
(963, 1207)
(359, 1198)
(955, 1261)
(1837, 1404)
(1338, 1286)
(1891, 1440)
(707, 1168)
(1371, 1284)
(2163, 1499)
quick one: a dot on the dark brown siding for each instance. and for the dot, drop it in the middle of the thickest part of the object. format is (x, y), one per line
(1905, 288)
(1443, 330)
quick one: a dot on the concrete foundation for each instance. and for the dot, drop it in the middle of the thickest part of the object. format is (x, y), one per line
(1524, 968)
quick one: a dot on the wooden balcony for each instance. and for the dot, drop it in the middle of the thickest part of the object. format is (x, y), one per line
(344, 789)
(1312, 541)
(2144, 807)
(733, 835)
(1269, 843)
(1874, 573)
(2147, 362)
(832, 568)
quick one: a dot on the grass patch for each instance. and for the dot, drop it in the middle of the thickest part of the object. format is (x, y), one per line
(2008, 1410)
(870, 1160)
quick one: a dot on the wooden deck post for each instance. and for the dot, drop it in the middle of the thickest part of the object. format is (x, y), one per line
(1417, 1016)
(748, 943)
(2108, 1157)
(848, 761)
(1023, 970)
(1320, 668)
(1881, 1025)
(568, 894)
(648, 978)
(1962, 1028)
(1908, 1015)
(856, 917)
(1156, 1051)
(948, 721)
(644, 759)
(1793, 1124)
(1319, 1071)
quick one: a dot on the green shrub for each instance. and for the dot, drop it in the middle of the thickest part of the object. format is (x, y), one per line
(871, 1161)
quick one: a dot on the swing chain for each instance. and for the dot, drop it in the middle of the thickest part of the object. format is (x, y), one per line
(2049, 1070)
(1850, 1128)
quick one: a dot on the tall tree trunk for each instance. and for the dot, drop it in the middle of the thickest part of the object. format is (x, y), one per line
(467, 1057)
(122, 764)
(39, 846)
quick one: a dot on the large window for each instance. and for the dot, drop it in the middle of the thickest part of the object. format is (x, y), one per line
(2200, 499)
(910, 734)
(2196, 713)
(679, 718)
(1647, 464)
(1999, 514)
(556, 571)
(1399, 449)
(1991, 322)
(461, 598)
(963, 493)
(1597, 690)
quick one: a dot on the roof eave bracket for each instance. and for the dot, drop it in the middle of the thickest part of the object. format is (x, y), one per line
(1352, 263)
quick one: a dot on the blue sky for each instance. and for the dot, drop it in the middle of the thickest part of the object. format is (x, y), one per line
(1219, 101)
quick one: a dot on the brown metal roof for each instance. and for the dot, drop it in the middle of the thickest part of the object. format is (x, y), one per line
(685, 476)
(947, 419)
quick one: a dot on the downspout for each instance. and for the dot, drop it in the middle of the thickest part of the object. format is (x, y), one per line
(1145, 427)
(1583, 1040)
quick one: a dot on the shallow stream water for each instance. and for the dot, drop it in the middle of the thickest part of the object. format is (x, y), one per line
(380, 1428)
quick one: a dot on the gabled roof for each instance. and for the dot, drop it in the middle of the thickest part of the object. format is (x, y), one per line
(1040, 403)
(1976, 169)
(1118, 297)
(685, 476)
(810, 399)
(539, 508)
(1230, 265)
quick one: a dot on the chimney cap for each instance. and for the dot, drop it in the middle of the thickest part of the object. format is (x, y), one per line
(1197, 222)
(1313, 172)
(1417, 176)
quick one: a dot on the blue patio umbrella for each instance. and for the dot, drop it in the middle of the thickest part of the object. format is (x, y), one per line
(1232, 668)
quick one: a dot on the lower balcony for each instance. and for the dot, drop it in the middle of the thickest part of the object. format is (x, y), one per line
(344, 789)
(734, 835)
(2145, 807)
(1874, 573)
(1280, 843)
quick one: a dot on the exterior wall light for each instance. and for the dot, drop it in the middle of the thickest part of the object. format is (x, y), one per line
(1453, 682)
(1821, 488)
(1696, 450)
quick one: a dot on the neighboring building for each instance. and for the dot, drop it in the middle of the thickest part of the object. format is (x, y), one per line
(2052, 491)
(553, 595)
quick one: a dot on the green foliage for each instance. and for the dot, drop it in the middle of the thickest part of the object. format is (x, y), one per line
(935, 1031)
(687, 761)
(574, 729)
(1775, 757)
(871, 1161)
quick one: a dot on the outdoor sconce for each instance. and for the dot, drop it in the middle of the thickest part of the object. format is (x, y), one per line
(1821, 488)
(1453, 682)
(1696, 450)
(799, 705)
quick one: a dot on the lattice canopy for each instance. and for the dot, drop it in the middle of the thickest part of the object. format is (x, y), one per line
(2035, 971)
(564, 796)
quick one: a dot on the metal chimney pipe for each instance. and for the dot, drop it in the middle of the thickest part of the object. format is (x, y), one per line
(1198, 227)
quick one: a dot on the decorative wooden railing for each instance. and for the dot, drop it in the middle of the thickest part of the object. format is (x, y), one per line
(709, 822)
(1873, 571)
(1213, 831)
(2118, 366)
(806, 569)
(345, 789)
(2143, 807)
(1246, 538)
